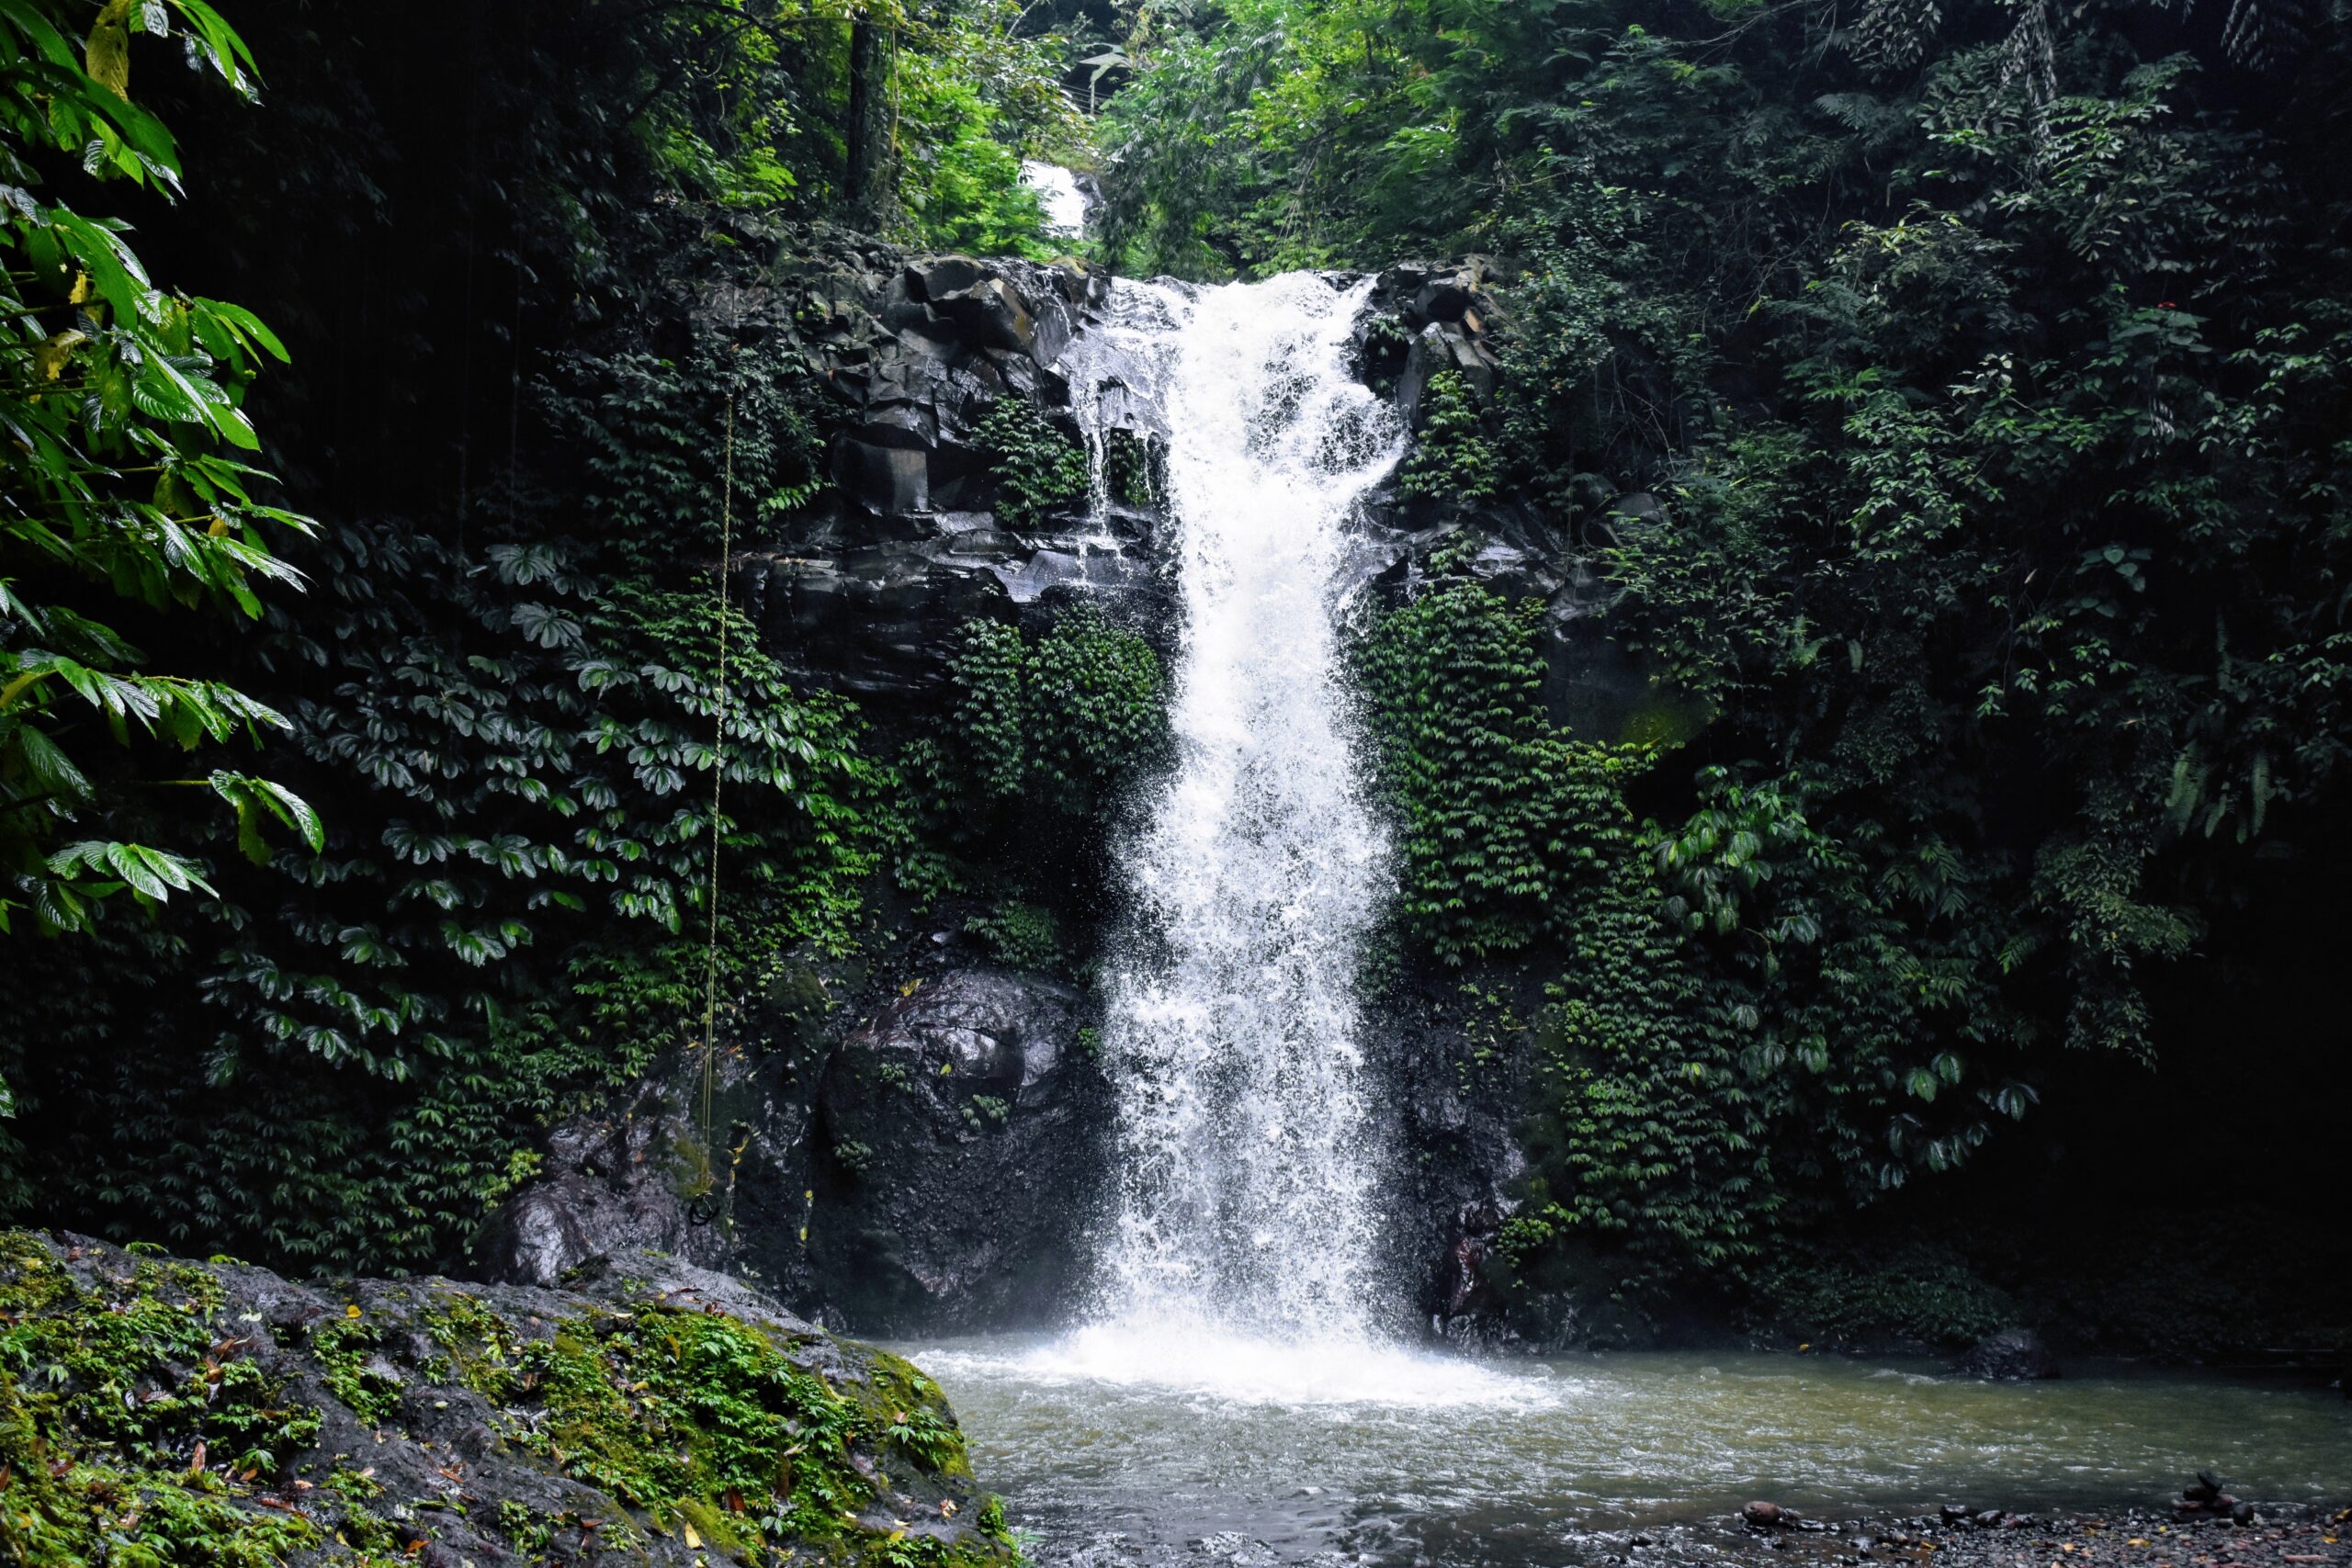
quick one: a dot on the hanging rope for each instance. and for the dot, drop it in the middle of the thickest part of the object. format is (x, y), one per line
(717, 786)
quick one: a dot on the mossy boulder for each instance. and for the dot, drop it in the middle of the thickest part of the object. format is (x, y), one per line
(159, 1412)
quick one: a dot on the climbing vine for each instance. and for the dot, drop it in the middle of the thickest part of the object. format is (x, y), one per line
(1019, 787)
(1750, 1020)
(1037, 471)
(1451, 459)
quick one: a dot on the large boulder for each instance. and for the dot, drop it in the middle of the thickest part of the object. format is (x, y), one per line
(2012, 1354)
(649, 1417)
(652, 1171)
(965, 1133)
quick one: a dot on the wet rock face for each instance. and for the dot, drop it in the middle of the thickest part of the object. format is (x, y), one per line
(635, 1419)
(1452, 1103)
(931, 1166)
(640, 1177)
(876, 579)
(968, 1132)
(611, 1193)
(1427, 319)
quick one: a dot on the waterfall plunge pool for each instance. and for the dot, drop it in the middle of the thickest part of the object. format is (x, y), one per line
(1394, 1457)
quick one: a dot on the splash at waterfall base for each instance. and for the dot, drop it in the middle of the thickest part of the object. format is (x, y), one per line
(1650, 1456)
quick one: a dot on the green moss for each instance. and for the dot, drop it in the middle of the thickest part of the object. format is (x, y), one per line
(479, 1347)
(344, 1348)
(135, 1418)
(527, 1530)
(131, 1421)
(369, 1531)
(705, 1422)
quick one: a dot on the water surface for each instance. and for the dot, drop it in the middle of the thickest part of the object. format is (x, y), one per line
(1441, 1461)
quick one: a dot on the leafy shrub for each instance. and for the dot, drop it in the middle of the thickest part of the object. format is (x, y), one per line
(1041, 743)
(1918, 1295)
(1451, 459)
(1019, 935)
(521, 750)
(1037, 469)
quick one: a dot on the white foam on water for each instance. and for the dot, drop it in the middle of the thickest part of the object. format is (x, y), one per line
(1214, 1366)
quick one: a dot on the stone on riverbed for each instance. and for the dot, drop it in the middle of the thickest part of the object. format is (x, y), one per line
(2013, 1354)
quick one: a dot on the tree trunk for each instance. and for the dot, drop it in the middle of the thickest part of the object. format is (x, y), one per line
(862, 133)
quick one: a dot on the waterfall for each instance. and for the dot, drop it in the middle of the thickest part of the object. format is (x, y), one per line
(1231, 1031)
(1057, 193)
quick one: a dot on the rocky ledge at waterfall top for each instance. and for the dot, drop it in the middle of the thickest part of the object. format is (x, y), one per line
(919, 1142)
(872, 581)
(165, 1410)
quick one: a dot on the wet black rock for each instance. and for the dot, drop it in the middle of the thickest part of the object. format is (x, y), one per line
(871, 583)
(928, 1166)
(965, 1134)
(2012, 1354)
(649, 1172)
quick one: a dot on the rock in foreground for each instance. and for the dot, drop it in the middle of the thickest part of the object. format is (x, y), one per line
(160, 1411)
(2013, 1354)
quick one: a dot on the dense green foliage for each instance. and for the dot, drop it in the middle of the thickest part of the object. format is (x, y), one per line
(1018, 795)
(1038, 471)
(536, 378)
(1733, 1027)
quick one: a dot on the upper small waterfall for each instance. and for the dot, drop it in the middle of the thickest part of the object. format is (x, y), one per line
(1232, 1029)
(1057, 192)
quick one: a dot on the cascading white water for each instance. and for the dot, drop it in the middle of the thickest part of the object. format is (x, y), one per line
(1230, 1023)
(1057, 193)
(1243, 1242)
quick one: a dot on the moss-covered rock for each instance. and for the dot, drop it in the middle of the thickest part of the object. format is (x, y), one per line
(155, 1412)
